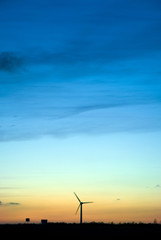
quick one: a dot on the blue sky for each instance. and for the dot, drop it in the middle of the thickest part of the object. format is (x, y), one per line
(79, 73)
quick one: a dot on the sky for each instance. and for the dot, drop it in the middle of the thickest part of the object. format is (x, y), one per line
(80, 110)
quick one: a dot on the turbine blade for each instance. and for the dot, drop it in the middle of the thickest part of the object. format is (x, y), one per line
(77, 197)
(77, 209)
(86, 202)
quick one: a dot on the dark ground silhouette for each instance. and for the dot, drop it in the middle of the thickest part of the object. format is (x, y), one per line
(84, 231)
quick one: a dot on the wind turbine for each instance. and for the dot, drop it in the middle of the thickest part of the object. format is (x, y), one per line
(80, 206)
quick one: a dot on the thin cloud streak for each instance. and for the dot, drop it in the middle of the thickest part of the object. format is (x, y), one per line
(101, 121)
(13, 203)
(10, 204)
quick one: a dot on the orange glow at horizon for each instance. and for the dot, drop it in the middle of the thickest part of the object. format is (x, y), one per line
(57, 209)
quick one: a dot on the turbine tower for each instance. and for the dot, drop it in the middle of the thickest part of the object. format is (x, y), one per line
(80, 206)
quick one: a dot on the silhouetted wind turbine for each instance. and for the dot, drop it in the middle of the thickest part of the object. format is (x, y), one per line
(80, 206)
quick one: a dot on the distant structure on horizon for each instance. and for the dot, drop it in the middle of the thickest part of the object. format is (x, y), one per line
(44, 221)
(27, 220)
(80, 206)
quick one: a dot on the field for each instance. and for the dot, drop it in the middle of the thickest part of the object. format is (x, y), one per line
(84, 231)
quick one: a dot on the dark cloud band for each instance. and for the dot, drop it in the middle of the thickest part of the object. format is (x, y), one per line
(10, 62)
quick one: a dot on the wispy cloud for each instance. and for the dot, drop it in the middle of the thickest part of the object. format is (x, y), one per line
(97, 121)
(158, 186)
(13, 203)
(9, 204)
(10, 62)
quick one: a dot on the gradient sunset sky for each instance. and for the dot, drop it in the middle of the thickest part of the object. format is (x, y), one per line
(80, 110)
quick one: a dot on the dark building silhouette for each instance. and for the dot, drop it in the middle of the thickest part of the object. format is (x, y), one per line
(27, 220)
(44, 221)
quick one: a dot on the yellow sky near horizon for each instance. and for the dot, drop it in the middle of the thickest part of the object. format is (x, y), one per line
(61, 208)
